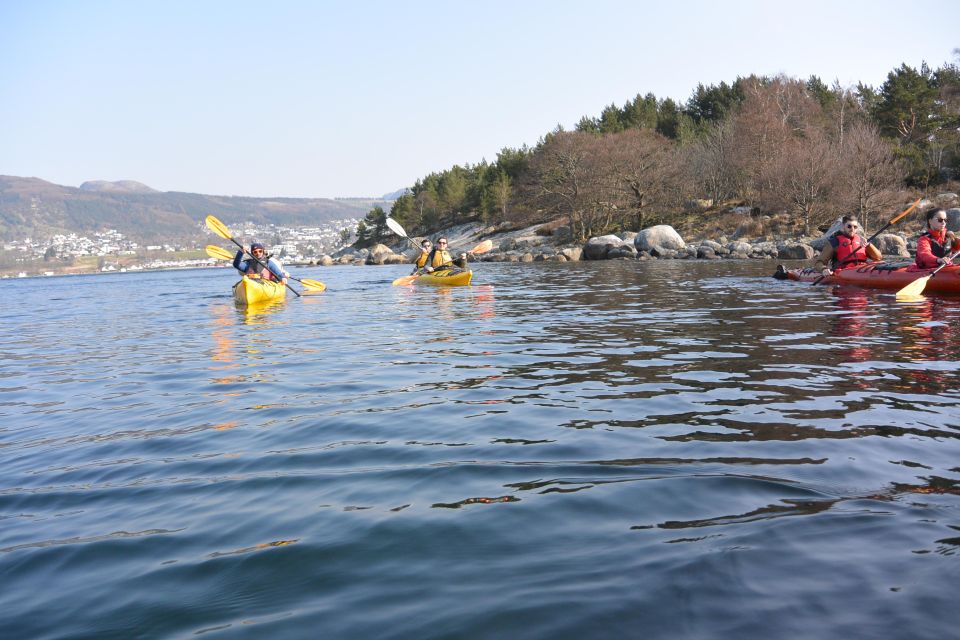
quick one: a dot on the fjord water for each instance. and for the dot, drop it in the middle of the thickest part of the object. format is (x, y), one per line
(618, 449)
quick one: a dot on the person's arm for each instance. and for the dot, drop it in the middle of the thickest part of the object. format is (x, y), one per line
(239, 263)
(925, 258)
(276, 268)
(823, 261)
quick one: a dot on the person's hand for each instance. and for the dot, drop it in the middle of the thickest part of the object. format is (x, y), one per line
(428, 269)
(826, 271)
(463, 256)
(941, 261)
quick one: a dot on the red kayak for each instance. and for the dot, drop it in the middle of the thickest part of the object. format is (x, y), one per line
(881, 275)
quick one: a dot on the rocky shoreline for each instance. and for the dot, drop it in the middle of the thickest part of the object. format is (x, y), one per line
(547, 243)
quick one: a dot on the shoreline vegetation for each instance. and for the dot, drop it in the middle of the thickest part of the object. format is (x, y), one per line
(784, 156)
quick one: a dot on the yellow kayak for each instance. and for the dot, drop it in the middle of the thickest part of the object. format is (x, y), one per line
(446, 277)
(256, 290)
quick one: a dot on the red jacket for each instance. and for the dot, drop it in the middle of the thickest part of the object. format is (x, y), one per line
(931, 246)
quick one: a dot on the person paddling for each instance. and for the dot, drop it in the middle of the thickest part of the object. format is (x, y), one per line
(421, 260)
(263, 266)
(846, 248)
(440, 258)
(936, 243)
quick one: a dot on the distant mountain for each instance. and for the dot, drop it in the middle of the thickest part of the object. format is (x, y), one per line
(120, 186)
(32, 207)
(394, 195)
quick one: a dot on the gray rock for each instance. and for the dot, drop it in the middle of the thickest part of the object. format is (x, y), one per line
(662, 237)
(795, 251)
(598, 247)
(573, 254)
(890, 244)
(953, 219)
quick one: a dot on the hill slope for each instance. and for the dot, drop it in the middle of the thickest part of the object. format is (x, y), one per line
(31, 207)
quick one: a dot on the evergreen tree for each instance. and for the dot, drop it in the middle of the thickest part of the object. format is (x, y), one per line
(641, 112)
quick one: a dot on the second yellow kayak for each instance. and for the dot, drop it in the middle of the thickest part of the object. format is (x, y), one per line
(446, 277)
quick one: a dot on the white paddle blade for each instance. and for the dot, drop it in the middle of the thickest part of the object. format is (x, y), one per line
(396, 228)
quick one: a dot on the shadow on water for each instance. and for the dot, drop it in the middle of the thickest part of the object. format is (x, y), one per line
(675, 449)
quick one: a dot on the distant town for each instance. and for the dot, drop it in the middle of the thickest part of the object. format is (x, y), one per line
(111, 251)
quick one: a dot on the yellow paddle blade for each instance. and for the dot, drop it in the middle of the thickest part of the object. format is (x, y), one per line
(405, 280)
(913, 289)
(219, 252)
(218, 227)
(313, 285)
(483, 247)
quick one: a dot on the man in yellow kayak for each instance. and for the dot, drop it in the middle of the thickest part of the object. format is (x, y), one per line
(261, 265)
(440, 258)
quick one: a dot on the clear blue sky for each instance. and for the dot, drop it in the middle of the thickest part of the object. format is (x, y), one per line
(359, 98)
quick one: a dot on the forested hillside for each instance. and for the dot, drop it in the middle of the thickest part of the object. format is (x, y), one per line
(774, 144)
(30, 207)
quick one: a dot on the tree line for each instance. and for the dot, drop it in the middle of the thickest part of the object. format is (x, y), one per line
(774, 144)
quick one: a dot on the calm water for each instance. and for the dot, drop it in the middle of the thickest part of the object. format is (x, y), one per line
(619, 449)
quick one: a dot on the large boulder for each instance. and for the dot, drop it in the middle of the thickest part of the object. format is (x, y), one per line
(953, 219)
(379, 254)
(890, 244)
(598, 247)
(795, 251)
(660, 238)
(573, 254)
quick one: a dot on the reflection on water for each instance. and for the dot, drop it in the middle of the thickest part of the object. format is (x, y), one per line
(670, 449)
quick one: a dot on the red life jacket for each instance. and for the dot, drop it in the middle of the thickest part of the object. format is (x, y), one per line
(847, 252)
(938, 245)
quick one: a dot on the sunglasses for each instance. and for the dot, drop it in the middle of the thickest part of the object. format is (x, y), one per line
(940, 219)
(851, 226)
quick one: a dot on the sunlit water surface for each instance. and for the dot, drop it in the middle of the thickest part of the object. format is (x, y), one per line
(620, 449)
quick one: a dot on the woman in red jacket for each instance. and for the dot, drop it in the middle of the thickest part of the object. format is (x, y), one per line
(935, 244)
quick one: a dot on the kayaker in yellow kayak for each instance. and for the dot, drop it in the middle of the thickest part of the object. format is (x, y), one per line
(421, 260)
(261, 265)
(440, 258)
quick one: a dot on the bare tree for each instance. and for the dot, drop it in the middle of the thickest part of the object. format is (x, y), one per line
(869, 172)
(774, 111)
(711, 163)
(642, 165)
(805, 176)
(561, 176)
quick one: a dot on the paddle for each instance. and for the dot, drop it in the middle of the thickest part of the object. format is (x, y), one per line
(915, 288)
(221, 230)
(224, 254)
(874, 236)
